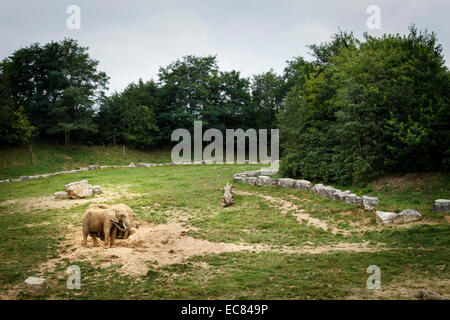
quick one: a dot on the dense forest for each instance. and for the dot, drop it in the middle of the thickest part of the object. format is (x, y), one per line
(361, 108)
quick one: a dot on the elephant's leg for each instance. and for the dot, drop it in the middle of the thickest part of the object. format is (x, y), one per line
(113, 236)
(107, 231)
(94, 236)
(85, 235)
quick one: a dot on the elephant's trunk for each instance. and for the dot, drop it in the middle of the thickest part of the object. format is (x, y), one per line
(123, 229)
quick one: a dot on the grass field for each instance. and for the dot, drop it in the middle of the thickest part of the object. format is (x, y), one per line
(273, 243)
(43, 158)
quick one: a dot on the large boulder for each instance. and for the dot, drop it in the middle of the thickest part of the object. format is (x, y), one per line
(324, 191)
(441, 205)
(35, 286)
(79, 190)
(340, 195)
(405, 216)
(352, 198)
(303, 185)
(286, 183)
(369, 202)
(250, 180)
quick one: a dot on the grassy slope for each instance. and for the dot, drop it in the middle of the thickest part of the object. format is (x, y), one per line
(53, 158)
(419, 254)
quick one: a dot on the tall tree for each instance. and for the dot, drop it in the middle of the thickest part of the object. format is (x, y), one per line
(57, 84)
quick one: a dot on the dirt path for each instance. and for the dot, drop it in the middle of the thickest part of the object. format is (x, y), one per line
(289, 207)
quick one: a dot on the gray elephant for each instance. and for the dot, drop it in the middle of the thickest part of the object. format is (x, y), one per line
(104, 219)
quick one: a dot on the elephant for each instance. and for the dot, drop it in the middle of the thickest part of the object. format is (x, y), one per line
(106, 219)
(120, 233)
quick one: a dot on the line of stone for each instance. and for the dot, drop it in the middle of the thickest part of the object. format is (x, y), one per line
(261, 178)
(131, 165)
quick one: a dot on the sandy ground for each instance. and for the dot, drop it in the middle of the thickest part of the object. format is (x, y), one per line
(49, 202)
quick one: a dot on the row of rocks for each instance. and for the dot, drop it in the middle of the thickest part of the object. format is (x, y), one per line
(261, 178)
(78, 190)
(131, 165)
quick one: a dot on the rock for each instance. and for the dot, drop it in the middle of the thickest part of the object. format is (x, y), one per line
(408, 215)
(267, 181)
(252, 173)
(429, 295)
(325, 191)
(84, 169)
(286, 183)
(383, 217)
(104, 167)
(267, 172)
(250, 180)
(352, 198)
(441, 205)
(132, 165)
(303, 185)
(316, 189)
(34, 286)
(97, 190)
(93, 167)
(369, 202)
(24, 178)
(238, 177)
(405, 216)
(79, 189)
(340, 196)
(61, 195)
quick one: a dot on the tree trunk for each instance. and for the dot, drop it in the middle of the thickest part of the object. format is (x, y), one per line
(227, 199)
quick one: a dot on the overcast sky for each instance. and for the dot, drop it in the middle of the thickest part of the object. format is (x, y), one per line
(132, 38)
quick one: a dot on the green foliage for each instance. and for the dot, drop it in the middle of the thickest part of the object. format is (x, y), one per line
(193, 88)
(15, 128)
(129, 117)
(57, 84)
(373, 106)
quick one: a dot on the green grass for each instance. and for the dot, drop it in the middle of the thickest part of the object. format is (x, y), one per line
(414, 257)
(52, 158)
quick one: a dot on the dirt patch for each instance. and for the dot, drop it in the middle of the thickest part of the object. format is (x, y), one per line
(49, 202)
(165, 244)
(289, 207)
(161, 245)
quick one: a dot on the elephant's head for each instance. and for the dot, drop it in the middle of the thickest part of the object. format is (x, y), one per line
(122, 221)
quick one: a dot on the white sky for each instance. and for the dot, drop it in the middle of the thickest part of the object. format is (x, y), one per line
(133, 38)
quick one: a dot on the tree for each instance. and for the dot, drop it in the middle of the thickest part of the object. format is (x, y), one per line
(57, 84)
(372, 106)
(15, 128)
(267, 96)
(130, 117)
